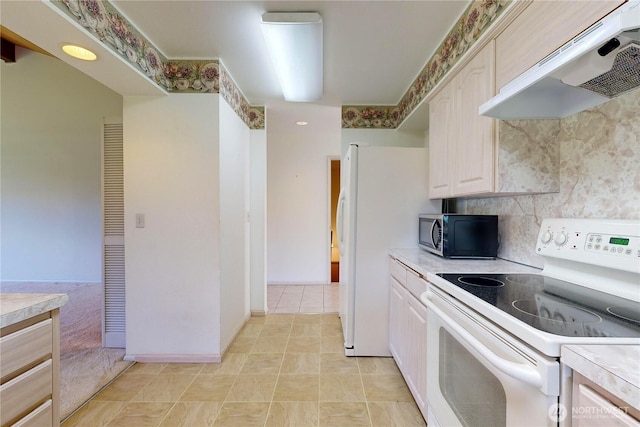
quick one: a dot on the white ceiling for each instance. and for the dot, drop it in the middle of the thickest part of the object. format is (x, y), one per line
(373, 50)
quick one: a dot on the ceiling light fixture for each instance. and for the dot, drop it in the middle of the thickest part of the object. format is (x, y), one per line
(79, 52)
(294, 40)
(302, 123)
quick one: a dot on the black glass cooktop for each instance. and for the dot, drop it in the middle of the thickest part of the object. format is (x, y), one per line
(554, 306)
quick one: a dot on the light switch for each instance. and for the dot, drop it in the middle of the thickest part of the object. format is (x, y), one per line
(139, 220)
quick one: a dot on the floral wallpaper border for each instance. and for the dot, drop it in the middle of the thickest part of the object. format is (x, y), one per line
(477, 18)
(105, 22)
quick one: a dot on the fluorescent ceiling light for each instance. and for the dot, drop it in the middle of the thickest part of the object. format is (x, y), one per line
(294, 40)
(79, 52)
(302, 123)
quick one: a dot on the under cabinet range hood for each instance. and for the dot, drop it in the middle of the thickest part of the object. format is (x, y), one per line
(599, 64)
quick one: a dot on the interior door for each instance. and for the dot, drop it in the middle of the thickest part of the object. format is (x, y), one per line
(113, 323)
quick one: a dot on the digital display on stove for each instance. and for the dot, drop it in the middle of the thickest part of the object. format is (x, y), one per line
(554, 306)
(619, 241)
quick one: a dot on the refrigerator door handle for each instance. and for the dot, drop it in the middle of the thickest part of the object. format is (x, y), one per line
(339, 219)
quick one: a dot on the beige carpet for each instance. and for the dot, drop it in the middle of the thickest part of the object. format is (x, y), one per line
(85, 367)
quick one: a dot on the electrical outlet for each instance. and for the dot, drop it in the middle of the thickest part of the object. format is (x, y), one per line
(139, 220)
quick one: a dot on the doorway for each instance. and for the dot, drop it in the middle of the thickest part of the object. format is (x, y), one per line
(334, 185)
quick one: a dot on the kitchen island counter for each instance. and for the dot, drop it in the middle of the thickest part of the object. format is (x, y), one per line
(15, 308)
(30, 358)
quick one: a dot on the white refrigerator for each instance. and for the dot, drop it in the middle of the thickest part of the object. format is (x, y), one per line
(383, 189)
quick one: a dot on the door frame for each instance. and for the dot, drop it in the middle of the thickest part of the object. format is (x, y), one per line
(330, 159)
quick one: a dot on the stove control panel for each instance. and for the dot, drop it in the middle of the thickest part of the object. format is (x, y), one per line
(608, 243)
(616, 245)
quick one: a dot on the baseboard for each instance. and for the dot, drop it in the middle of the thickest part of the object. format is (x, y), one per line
(174, 358)
(298, 283)
(258, 313)
(79, 282)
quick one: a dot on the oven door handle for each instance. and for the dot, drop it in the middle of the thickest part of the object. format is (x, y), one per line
(520, 372)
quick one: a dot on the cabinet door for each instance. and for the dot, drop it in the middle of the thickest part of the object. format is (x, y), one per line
(416, 360)
(540, 29)
(396, 321)
(440, 138)
(474, 152)
(593, 406)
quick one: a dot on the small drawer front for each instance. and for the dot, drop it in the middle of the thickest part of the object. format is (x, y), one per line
(415, 284)
(42, 416)
(398, 271)
(26, 390)
(25, 346)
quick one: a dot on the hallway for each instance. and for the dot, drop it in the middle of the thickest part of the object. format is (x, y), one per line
(291, 299)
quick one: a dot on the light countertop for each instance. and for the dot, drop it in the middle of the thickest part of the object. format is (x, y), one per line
(424, 262)
(15, 308)
(616, 368)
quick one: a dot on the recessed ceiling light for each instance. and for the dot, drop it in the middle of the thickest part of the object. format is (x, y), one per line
(302, 123)
(79, 52)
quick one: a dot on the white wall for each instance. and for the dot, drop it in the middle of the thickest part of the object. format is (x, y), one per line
(234, 225)
(258, 228)
(382, 137)
(51, 209)
(171, 158)
(298, 194)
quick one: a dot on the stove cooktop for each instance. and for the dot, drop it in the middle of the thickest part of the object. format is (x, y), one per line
(554, 306)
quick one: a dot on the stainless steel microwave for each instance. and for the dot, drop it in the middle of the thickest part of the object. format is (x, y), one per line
(459, 235)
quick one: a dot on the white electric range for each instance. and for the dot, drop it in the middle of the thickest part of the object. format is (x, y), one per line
(503, 332)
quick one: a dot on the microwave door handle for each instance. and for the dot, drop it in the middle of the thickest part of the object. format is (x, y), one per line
(521, 372)
(339, 219)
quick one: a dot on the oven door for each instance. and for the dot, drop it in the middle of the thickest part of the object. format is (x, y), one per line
(480, 376)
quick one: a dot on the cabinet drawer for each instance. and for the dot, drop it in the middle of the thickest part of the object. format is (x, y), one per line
(42, 416)
(398, 271)
(23, 392)
(25, 346)
(415, 284)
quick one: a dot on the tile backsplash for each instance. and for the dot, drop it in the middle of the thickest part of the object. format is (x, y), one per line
(599, 173)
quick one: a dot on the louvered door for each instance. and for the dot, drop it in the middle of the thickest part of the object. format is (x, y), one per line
(113, 254)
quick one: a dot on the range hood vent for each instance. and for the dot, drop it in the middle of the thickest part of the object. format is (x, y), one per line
(623, 76)
(599, 64)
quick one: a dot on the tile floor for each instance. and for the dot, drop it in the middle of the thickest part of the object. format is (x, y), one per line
(303, 298)
(281, 370)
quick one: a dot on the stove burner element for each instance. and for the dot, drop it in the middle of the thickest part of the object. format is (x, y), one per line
(481, 281)
(564, 320)
(550, 305)
(625, 313)
(575, 314)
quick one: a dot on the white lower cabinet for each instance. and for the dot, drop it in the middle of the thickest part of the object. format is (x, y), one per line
(593, 406)
(397, 322)
(408, 330)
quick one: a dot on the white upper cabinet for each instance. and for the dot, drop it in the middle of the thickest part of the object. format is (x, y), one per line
(461, 142)
(473, 160)
(476, 156)
(540, 29)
